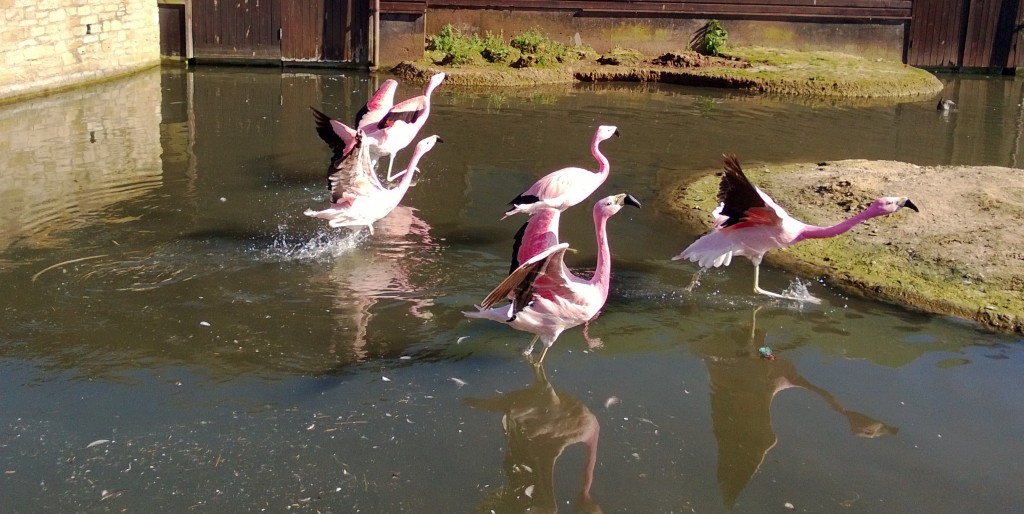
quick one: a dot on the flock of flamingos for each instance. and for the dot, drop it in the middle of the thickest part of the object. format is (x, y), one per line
(541, 295)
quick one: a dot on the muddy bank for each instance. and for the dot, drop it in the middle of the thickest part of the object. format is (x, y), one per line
(757, 70)
(962, 255)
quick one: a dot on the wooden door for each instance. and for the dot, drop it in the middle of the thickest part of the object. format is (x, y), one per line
(302, 30)
(965, 34)
(245, 29)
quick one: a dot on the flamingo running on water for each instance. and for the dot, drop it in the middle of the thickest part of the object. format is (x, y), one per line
(546, 297)
(749, 223)
(357, 196)
(399, 126)
(566, 187)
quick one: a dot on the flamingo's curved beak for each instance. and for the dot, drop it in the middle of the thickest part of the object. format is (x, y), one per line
(630, 200)
(910, 205)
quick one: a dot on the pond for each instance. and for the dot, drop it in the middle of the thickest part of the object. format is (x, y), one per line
(177, 335)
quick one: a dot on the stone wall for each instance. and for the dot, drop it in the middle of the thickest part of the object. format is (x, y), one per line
(53, 44)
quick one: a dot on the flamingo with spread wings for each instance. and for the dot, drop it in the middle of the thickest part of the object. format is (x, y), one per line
(566, 187)
(546, 297)
(357, 196)
(749, 223)
(399, 126)
(342, 138)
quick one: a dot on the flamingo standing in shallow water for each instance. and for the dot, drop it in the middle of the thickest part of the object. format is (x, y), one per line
(566, 187)
(357, 196)
(749, 223)
(399, 126)
(546, 297)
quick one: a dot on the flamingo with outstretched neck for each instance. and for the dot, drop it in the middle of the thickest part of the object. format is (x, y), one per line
(566, 187)
(357, 196)
(749, 223)
(546, 297)
(399, 126)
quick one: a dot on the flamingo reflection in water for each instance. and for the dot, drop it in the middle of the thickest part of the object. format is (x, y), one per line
(380, 270)
(540, 422)
(743, 386)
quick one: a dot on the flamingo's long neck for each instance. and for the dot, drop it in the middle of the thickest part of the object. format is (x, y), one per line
(406, 181)
(602, 161)
(814, 232)
(603, 270)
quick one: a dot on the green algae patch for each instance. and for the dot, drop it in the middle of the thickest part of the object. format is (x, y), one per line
(962, 255)
(761, 70)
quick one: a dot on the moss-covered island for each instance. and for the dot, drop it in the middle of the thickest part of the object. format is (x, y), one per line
(962, 255)
(532, 59)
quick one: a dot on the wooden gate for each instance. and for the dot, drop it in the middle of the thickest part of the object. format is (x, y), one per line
(966, 34)
(281, 30)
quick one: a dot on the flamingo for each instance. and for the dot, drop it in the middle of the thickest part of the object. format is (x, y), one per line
(342, 138)
(339, 136)
(749, 223)
(945, 105)
(357, 196)
(399, 126)
(566, 187)
(546, 297)
(378, 105)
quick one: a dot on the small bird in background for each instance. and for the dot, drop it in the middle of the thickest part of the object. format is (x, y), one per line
(945, 105)
(749, 223)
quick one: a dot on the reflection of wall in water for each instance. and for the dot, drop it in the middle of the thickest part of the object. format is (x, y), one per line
(65, 158)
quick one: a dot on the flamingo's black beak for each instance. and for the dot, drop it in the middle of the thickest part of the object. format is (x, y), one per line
(629, 200)
(616, 133)
(910, 205)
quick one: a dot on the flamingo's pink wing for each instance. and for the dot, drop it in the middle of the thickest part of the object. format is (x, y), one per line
(408, 111)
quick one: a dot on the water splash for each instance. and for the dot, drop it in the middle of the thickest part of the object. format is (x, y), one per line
(798, 290)
(326, 244)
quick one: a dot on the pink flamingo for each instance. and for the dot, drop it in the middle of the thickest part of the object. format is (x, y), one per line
(378, 105)
(399, 126)
(357, 196)
(546, 297)
(342, 138)
(749, 223)
(566, 187)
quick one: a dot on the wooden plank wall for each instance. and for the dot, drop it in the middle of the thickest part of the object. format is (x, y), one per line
(346, 27)
(1016, 57)
(935, 33)
(230, 29)
(302, 29)
(748, 9)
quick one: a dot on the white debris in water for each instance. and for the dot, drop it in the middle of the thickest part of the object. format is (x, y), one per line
(461, 339)
(612, 400)
(386, 379)
(528, 491)
(98, 442)
(789, 506)
(458, 381)
(204, 323)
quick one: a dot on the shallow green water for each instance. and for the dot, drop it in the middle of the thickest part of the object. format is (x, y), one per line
(176, 334)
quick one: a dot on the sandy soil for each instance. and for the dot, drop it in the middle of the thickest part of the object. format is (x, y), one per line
(962, 255)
